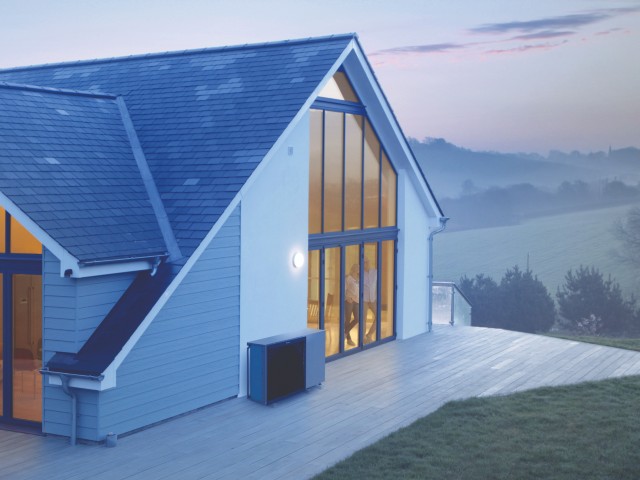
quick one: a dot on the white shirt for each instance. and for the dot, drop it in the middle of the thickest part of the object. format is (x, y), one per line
(351, 290)
(370, 285)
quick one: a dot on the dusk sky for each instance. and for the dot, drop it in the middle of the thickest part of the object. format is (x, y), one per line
(509, 76)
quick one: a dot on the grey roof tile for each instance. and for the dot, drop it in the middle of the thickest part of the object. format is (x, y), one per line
(211, 114)
(59, 180)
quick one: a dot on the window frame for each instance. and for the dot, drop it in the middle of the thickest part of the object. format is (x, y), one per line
(341, 239)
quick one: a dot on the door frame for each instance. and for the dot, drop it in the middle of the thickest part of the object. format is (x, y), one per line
(321, 242)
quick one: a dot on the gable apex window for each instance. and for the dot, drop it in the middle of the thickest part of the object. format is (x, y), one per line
(339, 88)
(14, 238)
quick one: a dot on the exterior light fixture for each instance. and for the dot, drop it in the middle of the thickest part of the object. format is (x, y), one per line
(298, 260)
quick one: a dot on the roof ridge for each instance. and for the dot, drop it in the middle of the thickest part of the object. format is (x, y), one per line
(176, 53)
(59, 91)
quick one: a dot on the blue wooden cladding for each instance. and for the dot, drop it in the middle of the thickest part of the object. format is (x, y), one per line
(282, 365)
(188, 356)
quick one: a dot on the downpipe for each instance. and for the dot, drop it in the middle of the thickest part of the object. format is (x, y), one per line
(74, 407)
(441, 227)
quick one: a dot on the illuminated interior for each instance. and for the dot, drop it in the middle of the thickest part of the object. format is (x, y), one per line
(352, 225)
(20, 323)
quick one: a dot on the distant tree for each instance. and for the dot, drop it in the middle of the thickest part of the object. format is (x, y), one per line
(484, 295)
(627, 232)
(526, 305)
(469, 188)
(593, 305)
(617, 190)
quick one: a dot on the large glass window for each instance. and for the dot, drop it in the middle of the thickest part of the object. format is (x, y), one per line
(388, 189)
(371, 177)
(315, 171)
(353, 234)
(353, 173)
(351, 179)
(339, 88)
(332, 300)
(3, 233)
(16, 239)
(333, 174)
(387, 280)
(313, 289)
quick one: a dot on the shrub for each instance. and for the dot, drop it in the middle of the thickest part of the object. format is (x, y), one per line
(520, 302)
(525, 302)
(484, 295)
(592, 305)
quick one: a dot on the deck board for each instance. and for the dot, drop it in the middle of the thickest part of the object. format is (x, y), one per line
(365, 397)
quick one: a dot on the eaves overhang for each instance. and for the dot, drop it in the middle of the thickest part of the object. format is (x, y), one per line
(71, 266)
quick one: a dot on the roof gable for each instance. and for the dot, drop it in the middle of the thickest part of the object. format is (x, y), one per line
(66, 162)
(205, 119)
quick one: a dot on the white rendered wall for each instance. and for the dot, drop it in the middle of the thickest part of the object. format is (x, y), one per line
(274, 225)
(413, 261)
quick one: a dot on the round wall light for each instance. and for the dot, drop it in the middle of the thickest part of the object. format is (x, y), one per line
(298, 260)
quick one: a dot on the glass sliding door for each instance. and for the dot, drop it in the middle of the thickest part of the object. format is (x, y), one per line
(2, 346)
(20, 323)
(387, 288)
(313, 289)
(370, 292)
(27, 347)
(351, 322)
(332, 299)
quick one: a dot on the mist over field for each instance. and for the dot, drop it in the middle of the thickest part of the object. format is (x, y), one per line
(547, 213)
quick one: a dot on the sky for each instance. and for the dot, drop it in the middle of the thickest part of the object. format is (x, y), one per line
(491, 75)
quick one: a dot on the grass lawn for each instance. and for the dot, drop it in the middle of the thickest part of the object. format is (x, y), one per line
(585, 431)
(626, 343)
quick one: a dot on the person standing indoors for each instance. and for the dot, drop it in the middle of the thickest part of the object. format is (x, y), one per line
(370, 297)
(351, 303)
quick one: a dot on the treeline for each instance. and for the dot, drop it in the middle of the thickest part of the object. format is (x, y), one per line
(498, 206)
(587, 303)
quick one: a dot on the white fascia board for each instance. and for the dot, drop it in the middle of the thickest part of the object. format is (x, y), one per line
(99, 385)
(110, 371)
(68, 261)
(111, 268)
(382, 105)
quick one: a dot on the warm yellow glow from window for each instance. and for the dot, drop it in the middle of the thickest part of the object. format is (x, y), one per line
(2, 231)
(339, 88)
(22, 241)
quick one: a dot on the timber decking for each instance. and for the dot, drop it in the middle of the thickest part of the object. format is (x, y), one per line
(365, 397)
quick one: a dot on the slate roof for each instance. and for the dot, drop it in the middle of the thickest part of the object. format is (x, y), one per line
(66, 161)
(205, 118)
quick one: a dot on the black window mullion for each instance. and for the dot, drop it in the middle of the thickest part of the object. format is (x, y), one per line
(322, 175)
(321, 294)
(364, 125)
(378, 290)
(7, 232)
(344, 168)
(341, 300)
(379, 184)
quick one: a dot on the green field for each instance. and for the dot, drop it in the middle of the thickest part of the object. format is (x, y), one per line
(554, 245)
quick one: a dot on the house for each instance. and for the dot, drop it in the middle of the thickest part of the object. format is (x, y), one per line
(160, 211)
